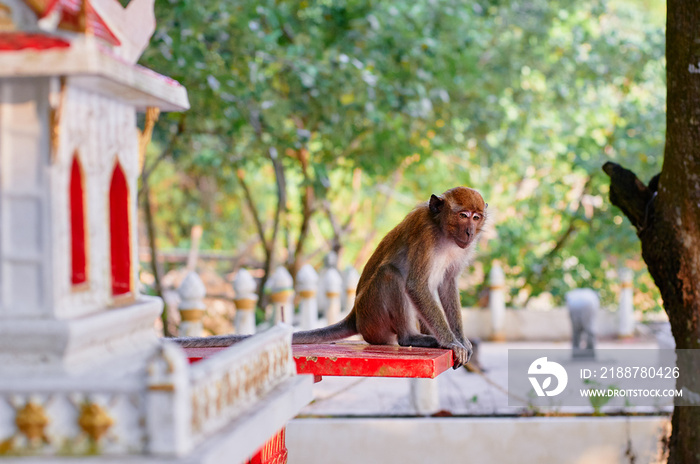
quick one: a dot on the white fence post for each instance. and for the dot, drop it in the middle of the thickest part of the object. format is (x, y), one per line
(425, 396)
(626, 310)
(350, 279)
(307, 284)
(192, 293)
(333, 284)
(168, 405)
(497, 301)
(330, 261)
(246, 298)
(282, 296)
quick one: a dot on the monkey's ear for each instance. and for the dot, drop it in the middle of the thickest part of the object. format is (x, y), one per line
(436, 204)
(487, 206)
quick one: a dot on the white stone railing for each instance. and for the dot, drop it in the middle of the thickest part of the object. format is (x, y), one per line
(326, 297)
(225, 384)
(54, 419)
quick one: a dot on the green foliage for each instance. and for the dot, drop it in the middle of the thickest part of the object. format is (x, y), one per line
(523, 101)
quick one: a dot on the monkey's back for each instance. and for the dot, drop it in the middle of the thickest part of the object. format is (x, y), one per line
(394, 250)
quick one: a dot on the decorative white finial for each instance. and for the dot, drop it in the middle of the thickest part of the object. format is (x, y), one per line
(192, 292)
(307, 279)
(244, 283)
(332, 281)
(281, 287)
(351, 277)
(133, 25)
(281, 280)
(332, 285)
(307, 285)
(246, 298)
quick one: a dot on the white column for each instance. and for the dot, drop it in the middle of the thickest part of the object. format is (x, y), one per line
(497, 301)
(307, 284)
(168, 405)
(282, 296)
(626, 310)
(350, 279)
(192, 293)
(246, 298)
(333, 285)
(329, 262)
(425, 396)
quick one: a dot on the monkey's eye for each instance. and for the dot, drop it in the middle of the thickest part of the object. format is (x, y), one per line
(477, 217)
(464, 215)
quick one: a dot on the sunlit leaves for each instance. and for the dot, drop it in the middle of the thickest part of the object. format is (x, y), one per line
(521, 100)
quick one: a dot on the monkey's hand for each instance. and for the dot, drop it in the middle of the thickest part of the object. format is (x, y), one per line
(460, 352)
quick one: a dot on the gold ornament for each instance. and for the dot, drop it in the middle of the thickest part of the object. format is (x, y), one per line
(31, 420)
(94, 420)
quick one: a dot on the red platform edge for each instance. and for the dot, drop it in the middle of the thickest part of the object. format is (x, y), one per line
(359, 359)
(363, 360)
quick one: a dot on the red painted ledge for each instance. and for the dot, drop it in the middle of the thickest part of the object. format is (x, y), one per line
(360, 359)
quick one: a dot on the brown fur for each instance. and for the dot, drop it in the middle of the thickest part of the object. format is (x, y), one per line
(409, 281)
(420, 257)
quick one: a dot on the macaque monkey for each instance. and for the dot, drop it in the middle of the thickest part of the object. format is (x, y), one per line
(409, 284)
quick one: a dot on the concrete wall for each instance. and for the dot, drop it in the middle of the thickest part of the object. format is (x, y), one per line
(524, 324)
(539, 440)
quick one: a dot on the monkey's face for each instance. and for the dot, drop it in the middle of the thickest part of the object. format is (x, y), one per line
(461, 213)
(468, 225)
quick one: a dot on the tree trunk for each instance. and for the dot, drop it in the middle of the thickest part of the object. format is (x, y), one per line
(155, 264)
(666, 213)
(307, 210)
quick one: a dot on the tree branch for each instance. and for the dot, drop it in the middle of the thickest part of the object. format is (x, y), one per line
(253, 210)
(366, 250)
(534, 277)
(281, 207)
(629, 194)
(155, 263)
(167, 151)
(307, 209)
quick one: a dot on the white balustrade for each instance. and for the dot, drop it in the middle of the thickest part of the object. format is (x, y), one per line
(192, 293)
(350, 279)
(333, 285)
(281, 287)
(329, 262)
(168, 405)
(246, 298)
(497, 301)
(306, 287)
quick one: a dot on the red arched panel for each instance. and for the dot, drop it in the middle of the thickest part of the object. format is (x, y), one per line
(119, 232)
(77, 224)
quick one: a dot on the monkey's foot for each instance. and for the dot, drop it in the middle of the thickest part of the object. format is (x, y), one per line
(419, 340)
(460, 353)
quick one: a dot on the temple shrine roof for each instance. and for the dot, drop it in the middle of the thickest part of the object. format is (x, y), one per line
(89, 64)
(76, 16)
(14, 41)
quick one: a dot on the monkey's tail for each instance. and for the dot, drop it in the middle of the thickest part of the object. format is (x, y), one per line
(343, 329)
(209, 342)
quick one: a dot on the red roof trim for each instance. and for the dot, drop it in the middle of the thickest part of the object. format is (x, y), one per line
(12, 41)
(71, 20)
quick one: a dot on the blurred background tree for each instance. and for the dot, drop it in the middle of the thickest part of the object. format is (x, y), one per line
(317, 125)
